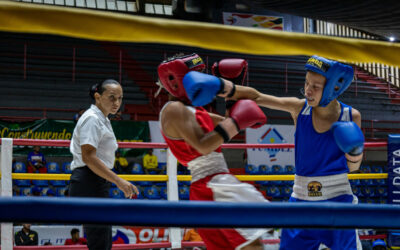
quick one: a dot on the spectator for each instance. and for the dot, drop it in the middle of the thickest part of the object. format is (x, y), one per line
(26, 237)
(48, 243)
(36, 161)
(121, 164)
(79, 114)
(192, 235)
(150, 163)
(75, 239)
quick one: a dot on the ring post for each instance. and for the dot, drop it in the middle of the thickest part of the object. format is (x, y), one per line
(172, 189)
(6, 189)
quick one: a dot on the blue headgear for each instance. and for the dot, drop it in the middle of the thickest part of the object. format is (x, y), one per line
(338, 77)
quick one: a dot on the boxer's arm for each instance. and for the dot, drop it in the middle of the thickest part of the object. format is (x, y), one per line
(179, 122)
(216, 118)
(352, 163)
(293, 105)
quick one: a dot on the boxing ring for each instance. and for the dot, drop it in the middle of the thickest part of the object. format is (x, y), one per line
(106, 26)
(174, 213)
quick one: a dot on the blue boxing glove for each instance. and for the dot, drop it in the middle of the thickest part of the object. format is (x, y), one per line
(202, 88)
(348, 137)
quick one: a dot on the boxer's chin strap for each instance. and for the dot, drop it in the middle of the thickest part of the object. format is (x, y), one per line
(160, 87)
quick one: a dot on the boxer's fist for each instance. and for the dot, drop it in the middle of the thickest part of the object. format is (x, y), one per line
(348, 137)
(243, 114)
(202, 88)
(231, 69)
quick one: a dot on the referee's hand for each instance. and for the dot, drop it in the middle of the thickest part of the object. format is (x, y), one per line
(128, 188)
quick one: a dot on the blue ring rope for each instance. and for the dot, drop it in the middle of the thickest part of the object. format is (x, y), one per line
(198, 213)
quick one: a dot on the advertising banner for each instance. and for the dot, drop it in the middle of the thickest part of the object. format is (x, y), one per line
(270, 134)
(127, 131)
(251, 20)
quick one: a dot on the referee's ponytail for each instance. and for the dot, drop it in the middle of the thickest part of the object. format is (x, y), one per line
(101, 87)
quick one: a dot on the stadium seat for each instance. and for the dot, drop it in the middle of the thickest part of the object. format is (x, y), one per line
(152, 193)
(251, 169)
(381, 191)
(276, 169)
(144, 183)
(60, 191)
(376, 169)
(274, 191)
(20, 167)
(264, 169)
(163, 193)
(368, 191)
(184, 193)
(380, 182)
(116, 193)
(54, 168)
(356, 190)
(289, 169)
(66, 167)
(26, 191)
(355, 182)
(365, 169)
(367, 182)
(40, 183)
(137, 169)
(287, 191)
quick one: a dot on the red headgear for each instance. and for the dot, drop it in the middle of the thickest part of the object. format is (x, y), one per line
(172, 71)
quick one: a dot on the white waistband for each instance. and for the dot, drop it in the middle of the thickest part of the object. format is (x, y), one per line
(206, 165)
(318, 188)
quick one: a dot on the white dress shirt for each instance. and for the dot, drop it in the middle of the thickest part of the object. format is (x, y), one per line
(95, 129)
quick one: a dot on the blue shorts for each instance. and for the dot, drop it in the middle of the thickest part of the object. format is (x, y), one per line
(310, 239)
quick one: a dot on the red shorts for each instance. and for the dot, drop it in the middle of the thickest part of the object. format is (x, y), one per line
(205, 190)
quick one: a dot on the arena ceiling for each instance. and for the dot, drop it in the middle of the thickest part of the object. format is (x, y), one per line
(380, 17)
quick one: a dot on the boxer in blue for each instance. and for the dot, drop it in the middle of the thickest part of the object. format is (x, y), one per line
(328, 139)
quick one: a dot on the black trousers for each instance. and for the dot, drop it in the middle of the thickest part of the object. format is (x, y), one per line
(85, 183)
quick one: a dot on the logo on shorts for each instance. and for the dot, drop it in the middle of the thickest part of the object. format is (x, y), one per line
(314, 189)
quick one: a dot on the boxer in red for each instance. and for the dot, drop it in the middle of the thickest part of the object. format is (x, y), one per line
(195, 137)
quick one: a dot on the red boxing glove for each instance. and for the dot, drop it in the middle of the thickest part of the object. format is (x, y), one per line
(231, 69)
(243, 114)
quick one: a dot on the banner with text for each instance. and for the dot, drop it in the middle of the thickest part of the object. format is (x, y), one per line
(393, 169)
(127, 131)
(270, 134)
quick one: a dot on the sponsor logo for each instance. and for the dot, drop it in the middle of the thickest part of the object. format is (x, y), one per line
(314, 189)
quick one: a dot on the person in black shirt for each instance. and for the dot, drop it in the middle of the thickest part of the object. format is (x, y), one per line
(26, 237)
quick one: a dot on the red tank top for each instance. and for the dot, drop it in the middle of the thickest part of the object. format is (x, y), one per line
(183, 152)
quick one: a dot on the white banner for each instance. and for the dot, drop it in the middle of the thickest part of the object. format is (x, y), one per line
(251, 20)
(156, 136)
(56, 234)
(270, 134)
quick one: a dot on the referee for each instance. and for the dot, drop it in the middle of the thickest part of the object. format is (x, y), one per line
(93, 147)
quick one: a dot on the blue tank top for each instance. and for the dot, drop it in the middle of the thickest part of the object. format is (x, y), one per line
(316, 154)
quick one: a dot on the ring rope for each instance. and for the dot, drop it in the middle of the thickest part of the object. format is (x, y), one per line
(117, 27)
(66, 143)
(198, 213)
(26, 176)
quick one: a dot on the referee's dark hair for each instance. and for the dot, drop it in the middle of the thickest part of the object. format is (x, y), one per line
(101, 87)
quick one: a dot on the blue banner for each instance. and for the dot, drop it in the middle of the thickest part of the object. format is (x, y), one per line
(394, 169)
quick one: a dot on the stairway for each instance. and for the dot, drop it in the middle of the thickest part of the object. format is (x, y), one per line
(393, 93)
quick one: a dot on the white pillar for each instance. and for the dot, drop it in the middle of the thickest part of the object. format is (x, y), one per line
(6, 189)
(175, 236)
